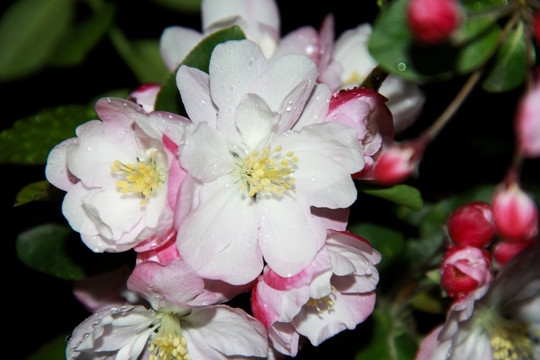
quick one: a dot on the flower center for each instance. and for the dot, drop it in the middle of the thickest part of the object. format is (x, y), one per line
(142, 178)
(510, 339)
(324, 303)
(168, 343)
(268, 171)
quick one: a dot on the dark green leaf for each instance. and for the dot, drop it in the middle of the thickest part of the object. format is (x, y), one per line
(41, 190)
(401, 194)
(393, 46)
(29, 33)
(168, 98)
(142, 56)
(388, 242)
(59, 251)
(184, 6)
(510, 67)
(84, 36)
(30, 139)
(388, 340)
(53, 350)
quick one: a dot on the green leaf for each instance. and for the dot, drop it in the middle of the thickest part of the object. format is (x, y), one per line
(29, 33)
(392, 44)
(183, 6)
(37, 191)
(388, 242)
(142, 56)
(59, 251)
(510, 67)
(388, 341)
(401, 194)
(53, 350)
(168, 98)
(84, 36)
(30, 139)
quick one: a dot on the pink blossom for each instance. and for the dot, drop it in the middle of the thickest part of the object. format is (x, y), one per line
(515, 212)
(472, 224)
(145, 95)
(465, 269)
(334, 293)
(527, 123)
(504, 251)
(365, 111)
(433, 21)
(101, 170)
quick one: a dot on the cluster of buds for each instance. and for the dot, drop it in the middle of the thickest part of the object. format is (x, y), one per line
(481, 233)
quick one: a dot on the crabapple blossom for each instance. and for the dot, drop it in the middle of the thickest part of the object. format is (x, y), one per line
(515, 212)
(121, 176)
(335, 292)
(365, 111)
(145, 95)
(259, 20)
(433, 21)
(465, 269)
(472, 224)
(503, 324)
(273, 160)
(505, 250)
(176, 323)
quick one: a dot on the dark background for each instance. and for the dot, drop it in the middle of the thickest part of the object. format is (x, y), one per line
(475, 147)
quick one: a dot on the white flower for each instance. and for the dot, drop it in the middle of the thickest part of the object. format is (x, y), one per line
(260, 159)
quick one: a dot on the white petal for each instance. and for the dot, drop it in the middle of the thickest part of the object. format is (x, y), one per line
(175, 43)
(56, 170)
(213, 226)
(255, 122)
(289, 236)
(316, 108)
(229, 331)
(194, 87)
(328, 154)
(204, 153)
(233, 67)
(119, 112)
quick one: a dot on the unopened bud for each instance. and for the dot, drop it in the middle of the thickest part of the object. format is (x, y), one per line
(515, 213)
(504, 251)
(472, 224)
(527, 123)
(433, 21)
(465, 269)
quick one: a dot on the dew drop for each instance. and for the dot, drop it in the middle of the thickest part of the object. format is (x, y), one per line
(402, 66)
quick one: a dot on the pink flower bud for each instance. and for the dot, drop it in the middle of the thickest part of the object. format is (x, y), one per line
(433, 21)
(465, 269)
(472, 224)
(527, 123)
(537, 27)
(504, 251)
(397, 162)
(515, 213)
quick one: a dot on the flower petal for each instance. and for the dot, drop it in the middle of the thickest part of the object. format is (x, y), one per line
(194, 87)
(175, 43)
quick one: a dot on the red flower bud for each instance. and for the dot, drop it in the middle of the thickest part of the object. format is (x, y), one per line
(465, 269)
(515, 213)
(504, 251)
(433, 21)
(472, 224)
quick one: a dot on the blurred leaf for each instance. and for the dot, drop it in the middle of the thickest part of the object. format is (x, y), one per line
(40, 190)
(142, 57)
(30, 139)
(388, 242)
(184, 6)
(401, 194)
(84, 36)
(388, 341)
(476, 6)
(168, 98)
(510, 67)
(393, 46)
(29, 32)
(58, 251)
(53, 350)
(427, 303)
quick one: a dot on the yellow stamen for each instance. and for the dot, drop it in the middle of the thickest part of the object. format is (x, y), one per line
(268, 171)
(143, 177)
(324, 303)
(169, 343)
